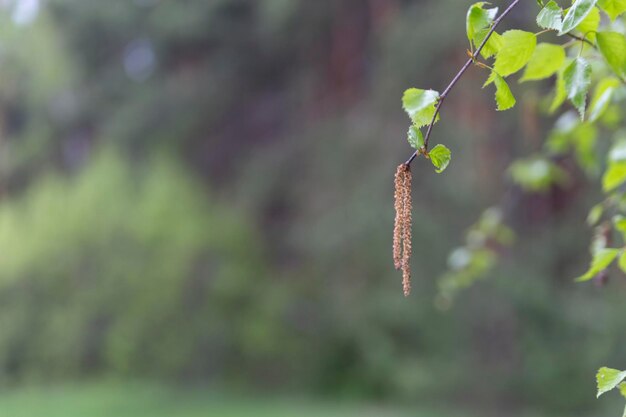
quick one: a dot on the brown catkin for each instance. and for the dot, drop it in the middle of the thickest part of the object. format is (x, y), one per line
(402, 225)
(407, 206)
(398, 223)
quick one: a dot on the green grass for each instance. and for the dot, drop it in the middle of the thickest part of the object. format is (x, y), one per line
(140, 399)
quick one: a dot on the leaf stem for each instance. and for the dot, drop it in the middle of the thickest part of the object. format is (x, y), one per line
(458, 76)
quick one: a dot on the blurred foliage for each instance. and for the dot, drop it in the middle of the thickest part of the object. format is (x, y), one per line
(112, 270)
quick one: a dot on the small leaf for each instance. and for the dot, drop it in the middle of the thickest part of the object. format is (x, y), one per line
(622, 389)
(478, 24)
(579, 10)
(613, 48)
(440, 157)
(608, 379)
(613, 8)
(478, 19)
(504, 97)
(420, 105)
(619, 222)
(601, 260)
(614, 176)
(602, 97)
(517, 49)
(589, 26)
(577, 77)
(415, 137)
(545, 61)
(537, 174)
(595, 214)
(550, 17)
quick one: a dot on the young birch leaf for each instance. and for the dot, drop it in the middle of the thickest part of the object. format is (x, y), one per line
(613, 47)
(559, 92)
(420, 105)
(614, 176)
(415, 137)
(550, 17)
(595, 214)
(478, 19)
(577, 77)
(613, 8)
(608, 379)
(619, 223)
(545, 61)
(601, 260)
(517, 49)
(579, 10)
(536, 174)
(440, 157)
(478, 23)
(504, 97)
(589, 26)
(602, 97)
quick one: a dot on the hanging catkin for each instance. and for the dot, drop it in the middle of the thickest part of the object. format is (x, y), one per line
(398, 223)
(402, 225)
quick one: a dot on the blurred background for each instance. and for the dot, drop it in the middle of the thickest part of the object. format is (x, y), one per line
(196, 206)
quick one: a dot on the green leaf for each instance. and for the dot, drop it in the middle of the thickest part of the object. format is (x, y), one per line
(602, 97)
(577, 77)
(613, 8)
(550, 17)
(537, 174)
(622, 389)
(589, 26)
(415, 137)
(420, 105)
(619, 222)
(559, 92)
(504, 97)
(608, 379)
(601, 260)
(613, 48)
(576, 14)
(517, 49)
(440, 157)
(478, 19)
(595, 214)
(545, 61)
(478, 24)
(614, 176)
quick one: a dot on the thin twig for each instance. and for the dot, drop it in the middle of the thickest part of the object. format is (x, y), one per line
(579, 38)
(458, 76)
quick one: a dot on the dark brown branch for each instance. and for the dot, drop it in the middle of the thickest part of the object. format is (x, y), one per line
(458, 76)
